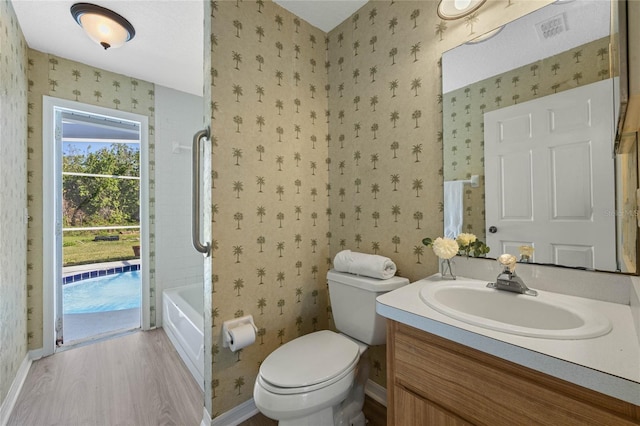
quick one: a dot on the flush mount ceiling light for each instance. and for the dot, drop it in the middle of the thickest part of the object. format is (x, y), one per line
(456, 9)
(486, 36)
(103, 26)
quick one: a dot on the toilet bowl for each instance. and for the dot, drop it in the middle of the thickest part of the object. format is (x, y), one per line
(318, 379)
(303, 380)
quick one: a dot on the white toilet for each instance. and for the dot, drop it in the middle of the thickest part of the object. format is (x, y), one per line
(318, 379)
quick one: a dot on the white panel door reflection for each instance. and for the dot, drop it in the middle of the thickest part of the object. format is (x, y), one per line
(549, 178)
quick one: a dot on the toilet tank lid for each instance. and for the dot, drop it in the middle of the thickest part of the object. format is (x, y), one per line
(366, 283)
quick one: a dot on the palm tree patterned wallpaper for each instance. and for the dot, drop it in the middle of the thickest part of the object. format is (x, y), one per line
(13, 198)
(62, 78)
(270, 197)
(463, 127)
(322, 142)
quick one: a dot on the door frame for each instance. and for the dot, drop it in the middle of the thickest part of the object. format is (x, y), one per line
(51, 167)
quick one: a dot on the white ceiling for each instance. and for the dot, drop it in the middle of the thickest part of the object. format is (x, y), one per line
(585, 21)
(168, 46)
(324, 14)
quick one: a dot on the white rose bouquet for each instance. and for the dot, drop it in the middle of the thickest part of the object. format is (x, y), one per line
(526, 253)
(470, 244)
(445, 249)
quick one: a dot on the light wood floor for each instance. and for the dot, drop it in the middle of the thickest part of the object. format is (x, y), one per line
(137, 380)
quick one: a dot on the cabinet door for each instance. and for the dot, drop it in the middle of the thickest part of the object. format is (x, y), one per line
(463, 383)
(411, 410)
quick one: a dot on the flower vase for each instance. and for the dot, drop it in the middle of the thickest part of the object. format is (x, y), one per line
(446, 269)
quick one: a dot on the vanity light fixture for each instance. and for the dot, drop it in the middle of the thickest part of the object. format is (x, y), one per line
(456, 9)
(102, 25)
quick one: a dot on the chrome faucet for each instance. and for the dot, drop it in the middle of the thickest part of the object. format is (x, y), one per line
(508, 280)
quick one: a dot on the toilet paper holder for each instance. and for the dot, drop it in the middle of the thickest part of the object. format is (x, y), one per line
(236, 322)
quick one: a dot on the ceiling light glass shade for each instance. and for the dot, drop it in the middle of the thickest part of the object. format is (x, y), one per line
(486, 36)
(456, 9)
(103, 26)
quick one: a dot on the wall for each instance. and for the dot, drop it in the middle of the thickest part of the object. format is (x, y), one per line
(386, 128)
(463, 127)
(61, 78)
(178, 116)
(244, 63)
(269, 185)
(13, 198)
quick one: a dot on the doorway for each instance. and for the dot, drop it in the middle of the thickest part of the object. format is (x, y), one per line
(549, 174)
(95, 194)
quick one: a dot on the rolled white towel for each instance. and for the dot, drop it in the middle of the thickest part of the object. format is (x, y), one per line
(369, 265)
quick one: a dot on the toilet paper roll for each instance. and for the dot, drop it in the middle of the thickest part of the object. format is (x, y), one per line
(241, 337)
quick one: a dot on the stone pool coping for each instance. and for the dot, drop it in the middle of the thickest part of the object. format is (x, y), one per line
(71, 274)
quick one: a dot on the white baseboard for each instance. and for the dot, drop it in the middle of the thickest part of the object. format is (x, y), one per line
(36, 354)
(206, 417)
(376, 392)
(236, 415)
(14, 390)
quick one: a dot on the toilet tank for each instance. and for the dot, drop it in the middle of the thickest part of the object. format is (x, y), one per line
(353, 304)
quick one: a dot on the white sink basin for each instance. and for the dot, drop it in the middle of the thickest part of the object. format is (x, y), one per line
(548, 315)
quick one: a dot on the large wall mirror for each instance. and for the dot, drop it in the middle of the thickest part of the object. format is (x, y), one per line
(531, 153)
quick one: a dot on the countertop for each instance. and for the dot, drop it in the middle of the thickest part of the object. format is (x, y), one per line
(608, 364)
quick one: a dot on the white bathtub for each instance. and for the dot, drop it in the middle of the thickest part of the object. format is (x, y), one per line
(182, 310)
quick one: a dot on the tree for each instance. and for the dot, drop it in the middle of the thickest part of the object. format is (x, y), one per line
(238, 383)
(395, 240)
(260, 150)
(105, 200)
(395, 211)
(262, 303)
(395, 180)
(416, 83)
(238, 284)
(237, 154)
(417, 186)
(414, 51)
(260, 121)
(237, 58)
(375, 216)
(238, 187)
(238, 218)
(261, 272)
(393, 85)
(237, 252)
(260, 181)
(237, 90)
(418, 251)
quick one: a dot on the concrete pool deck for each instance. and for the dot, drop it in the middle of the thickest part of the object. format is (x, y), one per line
(82, 326)
(72, 270)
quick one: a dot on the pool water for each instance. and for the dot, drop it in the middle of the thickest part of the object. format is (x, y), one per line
(107, 293)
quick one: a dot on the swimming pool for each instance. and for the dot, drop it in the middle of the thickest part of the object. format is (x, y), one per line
(107, 293)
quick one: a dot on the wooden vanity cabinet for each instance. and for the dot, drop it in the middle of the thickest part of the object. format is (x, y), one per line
(434, 381)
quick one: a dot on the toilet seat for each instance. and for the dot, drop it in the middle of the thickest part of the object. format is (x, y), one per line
(308, 363)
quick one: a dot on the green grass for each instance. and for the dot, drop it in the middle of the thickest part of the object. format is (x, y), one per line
(79, 248)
